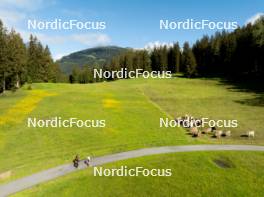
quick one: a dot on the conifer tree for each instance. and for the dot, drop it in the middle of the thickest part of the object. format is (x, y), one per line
(3, 57)
(189, 61)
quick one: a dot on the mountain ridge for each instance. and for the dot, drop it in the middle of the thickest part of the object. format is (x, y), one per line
(91, 56)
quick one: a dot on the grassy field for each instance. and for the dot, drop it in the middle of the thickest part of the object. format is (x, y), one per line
(131, 108)
(193, 174)
(212, 99)
(132, 122)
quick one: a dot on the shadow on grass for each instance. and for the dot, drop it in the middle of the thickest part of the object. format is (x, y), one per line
(224, 162)
(242, 84)
(239, 84)
(244, 136)
(258, 101)
(252, 85)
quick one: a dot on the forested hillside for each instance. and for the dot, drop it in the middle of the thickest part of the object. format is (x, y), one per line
(93, 56)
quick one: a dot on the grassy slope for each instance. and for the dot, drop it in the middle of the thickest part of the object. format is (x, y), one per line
(212, 99)
(122, 104)
(193, 174)
(132, 122)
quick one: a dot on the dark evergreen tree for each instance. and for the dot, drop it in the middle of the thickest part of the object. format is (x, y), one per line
(3, 57)
(189, 61)
(16, 60)
(174, 58)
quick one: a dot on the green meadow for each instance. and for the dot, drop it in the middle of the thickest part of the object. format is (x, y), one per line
(193, 174)
(213, 99)
(132, 109)
(132, 122)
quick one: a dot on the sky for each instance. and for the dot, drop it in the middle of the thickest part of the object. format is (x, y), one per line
(129, 23)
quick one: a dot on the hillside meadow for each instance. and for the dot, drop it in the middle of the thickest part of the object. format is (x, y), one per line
(132, 109)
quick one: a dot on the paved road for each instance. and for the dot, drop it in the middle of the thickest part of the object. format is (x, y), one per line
(52, 173)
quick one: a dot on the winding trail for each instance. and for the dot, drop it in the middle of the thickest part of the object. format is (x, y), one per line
(52, 173)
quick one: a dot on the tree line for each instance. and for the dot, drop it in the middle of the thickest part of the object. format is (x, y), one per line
(160, 58)
(84, 75)
(228, 54)
(236, 54)
(20, 62)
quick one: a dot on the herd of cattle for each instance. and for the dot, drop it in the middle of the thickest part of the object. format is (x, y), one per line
(196, 131)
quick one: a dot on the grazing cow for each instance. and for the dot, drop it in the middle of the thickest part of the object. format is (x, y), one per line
(194, 129)
(218, 133)
(207, 130)
(227, 133)
(198, 134)
(213, 129)
(251, 133)
(195, 132)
